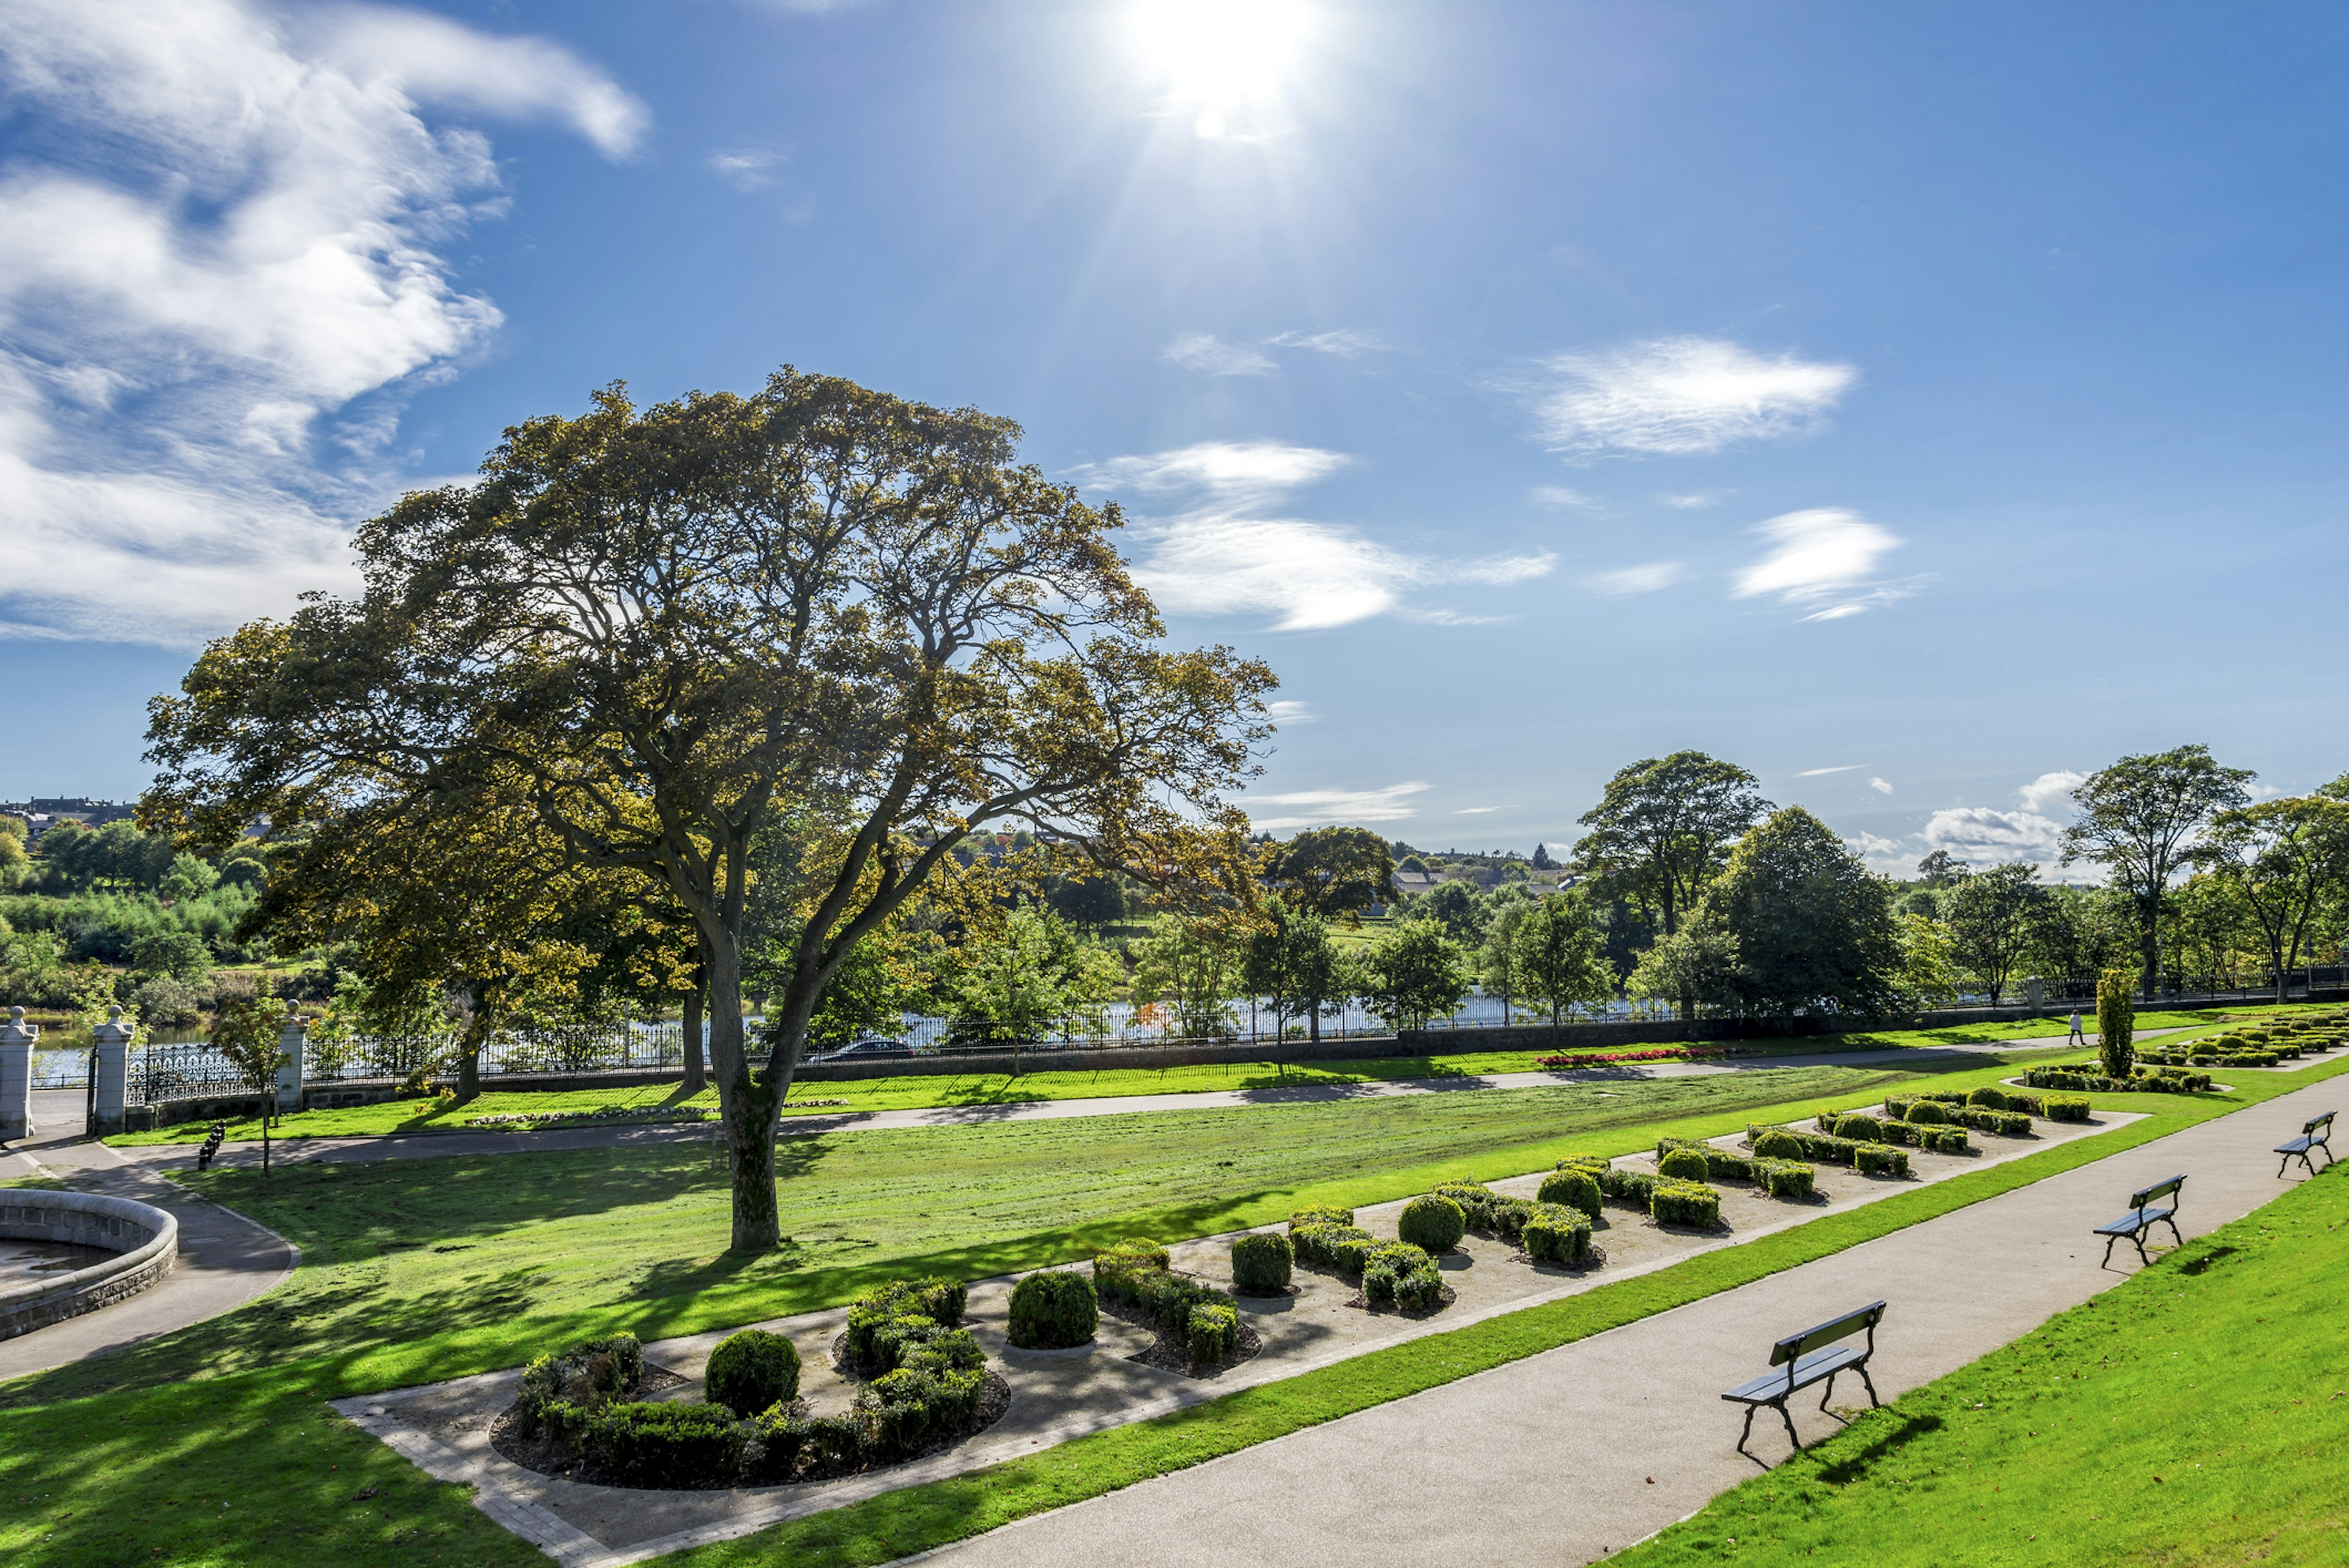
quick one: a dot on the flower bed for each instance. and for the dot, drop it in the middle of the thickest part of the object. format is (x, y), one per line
(1656, 1054)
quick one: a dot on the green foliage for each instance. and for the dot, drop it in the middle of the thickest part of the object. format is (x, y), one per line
(1924, 1114)
(900, 1319)
(667, 1444)
(1558, 1234)
(2066, 1108)
(1334, 873)
(1880, 1159)
(1683, 1165)
(2137, 819)
(1661, 828)
(1331, 1245)
(1262, 1263)
(1052, 1310)
(1859, 1129)
(1413, 972)
(171, 951)
(2116, 1023)
(1778, 1143)
(1790, 1178)
(1433, 1223)
(1321, 1215)
(583, 1378)
(1814, 930)
(1036, 973)
(900, 1412)
(1212, 1333)
(1676, 1202)
(751, 1370)
(1992, 918)
(248, 1033)
(1291, 963)
(1402, 1276)
(1572, 1189)
(1559, 954)
(1191, 967)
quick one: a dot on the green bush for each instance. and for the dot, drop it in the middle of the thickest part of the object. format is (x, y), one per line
(1944, 1140)
(1053, 1310)
(1685, 1203)
(1262, 1264)
(1573, 1189)
(1683, 1165)
(752, 1370)
(900, 1412)
(1125, 1272)
(1475, 1200)
(1214, 1333)
(887, 1321)
(1592, 1163)
(586, 1377)
(1402, 1276)
(1561, 1234)
(1859, 1129)
(1880, 1159)
(1926, 1113)
(1720, 1164)
(1319, 1215)
(667, 1444)
(1319, 1242)
(1785, 1177)
(1897, 1132)
(2066, 1108)
(1629, 1186)
(1777, 1143)
(1988, 1097)
(1431, 1223)
(1896, 1107)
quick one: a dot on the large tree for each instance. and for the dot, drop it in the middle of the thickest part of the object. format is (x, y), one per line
(1662, 830)
(1289, 960)
(2285, 860)
(2139, 820)
(1560, 955)
(679, 621)
(1336, 873)
(1815, 931)
(1993, 919)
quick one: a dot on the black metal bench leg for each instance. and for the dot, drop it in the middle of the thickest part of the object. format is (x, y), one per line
(2142, 1255)
(1829, 1394)
(1874, 1403)
(2175, 1234)
(1792, 1436)
(2284, 1165)
(1749, 1428)
(2109, 1250)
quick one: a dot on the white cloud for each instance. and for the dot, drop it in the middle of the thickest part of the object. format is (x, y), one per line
(1557, 497)
(1982, 837)
(1345, 342)
(1287, 711)
(218, 286)
(1319, 808)
(1210, 355)
(1215, 553)
(1816, 772)
(1879, 786)
(1677, 397)
(1824, 557)
(1474, 810)
(1693, 501)
(2052, 791)
(746, 168)
(1646, 578)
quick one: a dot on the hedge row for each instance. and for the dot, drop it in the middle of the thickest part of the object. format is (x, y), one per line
(1402, 1276)
(1263, 1262)
(2166, 1080)
(1869, 1158)
(1780, 1178)
(1138, 1273)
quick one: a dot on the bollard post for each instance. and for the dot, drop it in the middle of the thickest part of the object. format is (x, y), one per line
(292, 1040)
(109, 1075)
(18, 1039)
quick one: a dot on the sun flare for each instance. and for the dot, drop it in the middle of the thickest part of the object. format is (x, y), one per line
(1223, 60)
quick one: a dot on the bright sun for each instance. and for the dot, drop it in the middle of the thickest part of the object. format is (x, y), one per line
(1220, 59)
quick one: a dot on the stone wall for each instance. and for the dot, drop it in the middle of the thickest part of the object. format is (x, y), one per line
(145, 1241)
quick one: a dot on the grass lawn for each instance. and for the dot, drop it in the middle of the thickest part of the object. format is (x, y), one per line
(919, 1091)
(2194, 1415)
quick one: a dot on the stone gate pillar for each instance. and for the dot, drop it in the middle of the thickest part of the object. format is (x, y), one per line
(113, 1070)
(294, 1039)
(16, 1040)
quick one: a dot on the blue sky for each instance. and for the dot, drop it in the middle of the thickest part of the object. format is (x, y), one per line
(1918, 405)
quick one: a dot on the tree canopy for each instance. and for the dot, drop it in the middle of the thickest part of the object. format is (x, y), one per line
(2138, 818)
(1813, 932)
(1336, 873)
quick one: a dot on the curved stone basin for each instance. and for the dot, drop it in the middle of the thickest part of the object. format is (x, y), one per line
(116, 1248)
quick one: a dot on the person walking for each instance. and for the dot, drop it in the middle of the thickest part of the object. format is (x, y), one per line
(2077, 1037)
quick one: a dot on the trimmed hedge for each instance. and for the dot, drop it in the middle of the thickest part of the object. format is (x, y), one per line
(669, 1443)
(1924, 1114)
(1778, 1143)
(1402, 1276)
(1631, 1187)
(887, 1323)
(1816, 1146)
(2005, 1123)
(1859, 1129)
(2067, 1108)
(1339, 1247)
(1053, 1310)
(752, 1370)
(1880, 1159)
(1319, 1215)
(2166, 1080)
(1685, 1203)
(1573, 1189)
(1262, 1264)
(1785, 1177)
(1561, 1234)
(1431, 1223)
(1213, 1332)
(1594, 1164)
(899, 1412)
(1683, 1165)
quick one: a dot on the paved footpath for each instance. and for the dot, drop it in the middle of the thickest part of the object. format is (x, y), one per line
(441, 1145)
(1567, 1456)
(226, 1260)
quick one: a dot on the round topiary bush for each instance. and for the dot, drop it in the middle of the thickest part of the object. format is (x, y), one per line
(1925, 1113)
(1432, 1224)
(1859, 1129)
(1261, 1263)
(1685, 1165)
(1988, 1097)
(752, 1371)
(1052, 1311)
(1778, 1144)
(1573, 1189)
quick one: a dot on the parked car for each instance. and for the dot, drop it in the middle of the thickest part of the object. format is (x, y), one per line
(867, 1049)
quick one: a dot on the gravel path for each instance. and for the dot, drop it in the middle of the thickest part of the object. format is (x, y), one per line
(1582, 1450)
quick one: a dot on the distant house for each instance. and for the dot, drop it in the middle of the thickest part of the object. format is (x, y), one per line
(1408, 884)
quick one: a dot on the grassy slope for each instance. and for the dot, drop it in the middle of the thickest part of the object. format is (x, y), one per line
(2195, 1415)
(920, 1091)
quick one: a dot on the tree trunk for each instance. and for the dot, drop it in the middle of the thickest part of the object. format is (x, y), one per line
(2150, 950)
(469, 1058)
(750, 1105)
(696, 1077)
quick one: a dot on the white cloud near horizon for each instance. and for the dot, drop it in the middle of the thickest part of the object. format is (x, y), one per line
(215, 293)
(1343, 342)
(1646, 579)
(1320, 808)
(1985, 836)
(1678, 396)
(1217, 553)
(1211, 355)
(1287, 710)
(1880, 786)
(2052, 791)
(1825, 557)
(1846, 768)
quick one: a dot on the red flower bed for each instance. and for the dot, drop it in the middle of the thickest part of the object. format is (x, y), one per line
(1653, 1054)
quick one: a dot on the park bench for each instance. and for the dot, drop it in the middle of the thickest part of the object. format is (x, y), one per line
(213, 1141)
(1815, 1356)
(2316, 1135)
(2142, 1217)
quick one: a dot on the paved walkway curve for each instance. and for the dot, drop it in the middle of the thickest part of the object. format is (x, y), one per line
(226, 1260)
(441, 1145)
(1579, 1452)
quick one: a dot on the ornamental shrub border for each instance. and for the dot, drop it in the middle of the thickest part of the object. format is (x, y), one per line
(2164, 1080)
(1657, 1054)
(1139, 1274)
(1780, 1176)
(1402, 1276)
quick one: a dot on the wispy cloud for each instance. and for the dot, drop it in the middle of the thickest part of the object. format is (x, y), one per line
(1215, 553)
(1879, 786)
(1696, 500)
(746, 168)
(1345, 342)
(1816, 772)
(1476, 810)
(1676, 396)
(1289, 711)
(1557, 497)
(1319, 808)
(1211, 355)
(1648, 579)
(1824, 560)
(218, 287)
